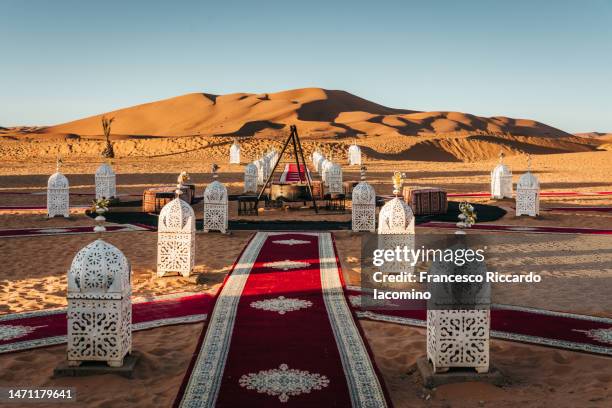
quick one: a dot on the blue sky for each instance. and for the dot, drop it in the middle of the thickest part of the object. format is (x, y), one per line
(546, 60)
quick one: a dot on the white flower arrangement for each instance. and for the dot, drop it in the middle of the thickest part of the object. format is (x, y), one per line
(100, 206)
(468, 217)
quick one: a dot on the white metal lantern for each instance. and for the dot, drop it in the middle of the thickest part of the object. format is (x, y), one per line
(528, 195)
(268, 165)
(316, 157)
(501, 180)
(458, 338)
(58, 197)
(250, 178)
(263, 170)
(325, 167)
(215, 207)
(260, 175)
(105, 182)
(99, 305)
(176, 239)
(318, 163)
(458, 316)
(313, 155)
(396, 227)
(334, 179)
(273, 158)
(396, 217)
(235, 153)
(354, 155)
(363, 206)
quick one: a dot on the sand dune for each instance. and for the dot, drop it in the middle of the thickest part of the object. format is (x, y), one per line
(200, 121)
(313, 109)
(597, 135)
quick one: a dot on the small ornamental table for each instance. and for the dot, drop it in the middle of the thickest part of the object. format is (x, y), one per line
(153, 199)
(426, 200)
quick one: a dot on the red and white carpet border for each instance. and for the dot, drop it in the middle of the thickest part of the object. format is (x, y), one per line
(84, 229)
(203, 386)
(357, 304)
(51, 341)
(54, 340)
(523, 338)
(58, 310)
(364, 386)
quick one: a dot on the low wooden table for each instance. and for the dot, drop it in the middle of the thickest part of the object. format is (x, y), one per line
(426, 200)
(154, 199)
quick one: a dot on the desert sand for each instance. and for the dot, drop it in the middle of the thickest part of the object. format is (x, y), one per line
(155, 141)
(538, 376)
(541, 375)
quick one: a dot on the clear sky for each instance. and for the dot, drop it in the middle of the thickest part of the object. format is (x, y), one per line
(546, 60)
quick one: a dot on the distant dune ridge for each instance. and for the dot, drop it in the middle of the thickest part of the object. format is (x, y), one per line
(330, 116)
(597, 135)
(314, 110)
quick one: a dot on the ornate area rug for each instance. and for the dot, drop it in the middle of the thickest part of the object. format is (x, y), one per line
(516, 323)
(44, 192)
(282, 333)
(290, 173)
(543, 193)
(39, 207)
(23, 331)
(575, 209)
(33, 232)
(520, 228)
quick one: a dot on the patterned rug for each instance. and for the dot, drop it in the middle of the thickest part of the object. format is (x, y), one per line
(520, 228)
(576, 209)
(290, 174)
(34, 232)
(543, 194)
(44, 192)
(39, 207)
(517, 323)
(282, 333)
(23, 331)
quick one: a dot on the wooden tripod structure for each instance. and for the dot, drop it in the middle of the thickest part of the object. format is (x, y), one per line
(294, 139)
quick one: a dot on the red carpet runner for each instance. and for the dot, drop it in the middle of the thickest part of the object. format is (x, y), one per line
(282, 334)
(570, 331)
(543, 194)
(34, 232)
(576, 209)
(521, 228)
(290, 174)
(23, 331)
(39, 207)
